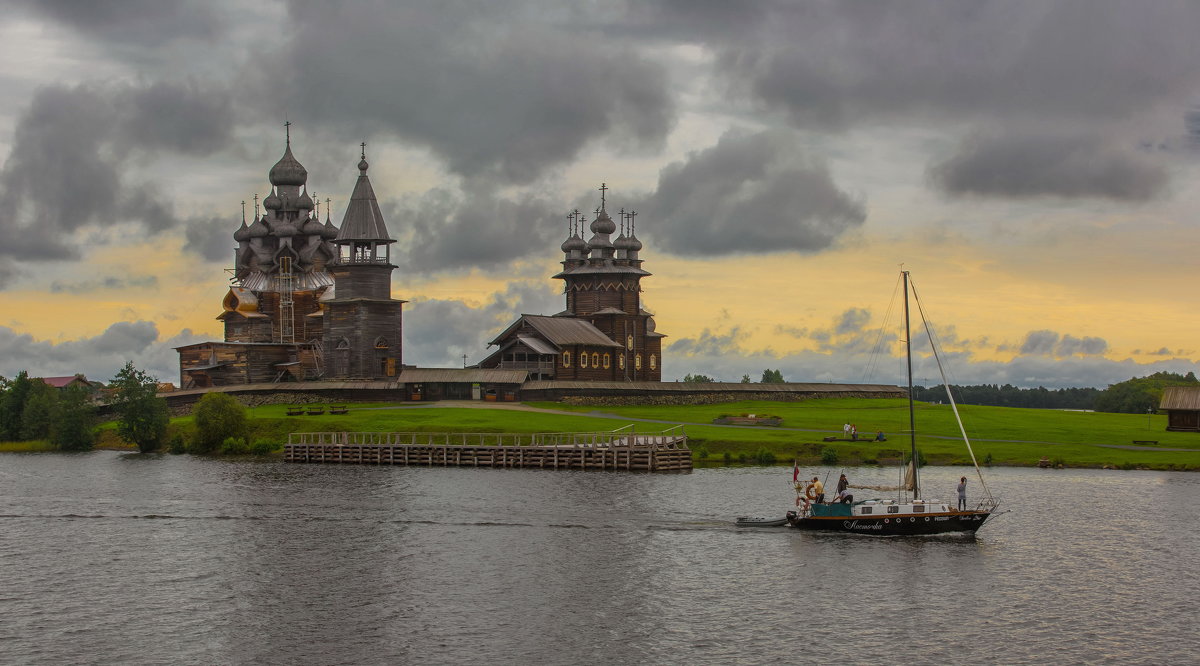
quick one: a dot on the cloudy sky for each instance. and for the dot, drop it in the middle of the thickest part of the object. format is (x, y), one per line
(1028, 161)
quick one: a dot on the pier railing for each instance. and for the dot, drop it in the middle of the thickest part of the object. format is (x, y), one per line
(624, 448)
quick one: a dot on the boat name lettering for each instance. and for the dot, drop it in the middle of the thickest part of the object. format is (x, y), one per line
(851, 525)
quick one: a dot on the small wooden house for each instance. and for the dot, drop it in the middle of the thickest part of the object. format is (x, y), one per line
(1182, 405)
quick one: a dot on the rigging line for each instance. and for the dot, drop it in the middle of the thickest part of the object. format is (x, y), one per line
(877, 350)
(953, 406)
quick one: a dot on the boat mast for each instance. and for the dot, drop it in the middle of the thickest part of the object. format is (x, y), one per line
(912, 419)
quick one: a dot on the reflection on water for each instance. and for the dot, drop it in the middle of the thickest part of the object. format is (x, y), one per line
(119, 558)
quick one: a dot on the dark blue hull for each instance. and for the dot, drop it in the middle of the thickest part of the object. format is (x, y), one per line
(966, 521)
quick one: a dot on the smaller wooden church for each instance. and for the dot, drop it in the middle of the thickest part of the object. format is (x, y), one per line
(604, 334)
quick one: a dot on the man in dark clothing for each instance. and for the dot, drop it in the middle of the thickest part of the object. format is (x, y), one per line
(962, 494)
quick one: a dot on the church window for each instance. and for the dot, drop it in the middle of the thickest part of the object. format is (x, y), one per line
(566, 359)
(653, 361)
(607, 361)
(595, 360)
(381, 342)
(637, 362)
(621, 361)
(629, 341)
(343, 344)
(583, 359)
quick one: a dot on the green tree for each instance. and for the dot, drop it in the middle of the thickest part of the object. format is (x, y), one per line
(218, 417)
(141, 415)
(74, 429)
(745, 379)
(772, 377)
(1139, 395)
(698, 379)
(12, 406)
(41, 411)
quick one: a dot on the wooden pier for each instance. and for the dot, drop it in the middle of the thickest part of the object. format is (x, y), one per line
(617, 450)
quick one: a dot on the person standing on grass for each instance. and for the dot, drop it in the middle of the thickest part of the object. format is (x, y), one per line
(962, 494)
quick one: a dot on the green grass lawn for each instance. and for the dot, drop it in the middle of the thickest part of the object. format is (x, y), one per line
(1010, 436)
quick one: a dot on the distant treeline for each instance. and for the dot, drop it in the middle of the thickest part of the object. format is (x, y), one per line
(1135, 396)
(1011, 396)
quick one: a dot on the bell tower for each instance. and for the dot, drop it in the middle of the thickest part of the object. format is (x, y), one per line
(362, 335)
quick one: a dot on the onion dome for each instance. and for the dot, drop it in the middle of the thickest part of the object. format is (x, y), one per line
(329, 232)
(574, 243)
(603, 224)
(260, 228)
(632, 243)
(305, 202)
(312, 227)
(272, 201)
(242, 234)
(621, 243)
(287, 171)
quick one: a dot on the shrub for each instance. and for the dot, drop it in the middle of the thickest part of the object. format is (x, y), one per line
(176, 444)
(727, 457)
(219, 417)
(233, 446)
(263, 447)
(870, 461)
(829, 456)
(764, 457)
(987, 460)
(742, 458)
(702, 453)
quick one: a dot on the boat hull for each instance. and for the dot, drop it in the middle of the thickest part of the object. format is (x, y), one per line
(966, 521)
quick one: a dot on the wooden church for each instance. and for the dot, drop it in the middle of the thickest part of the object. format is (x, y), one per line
(310, 300)
(604, 334)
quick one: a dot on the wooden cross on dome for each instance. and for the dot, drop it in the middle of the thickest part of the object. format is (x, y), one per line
(603, 191)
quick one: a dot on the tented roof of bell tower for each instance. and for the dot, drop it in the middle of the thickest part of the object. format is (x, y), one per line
(364, 219)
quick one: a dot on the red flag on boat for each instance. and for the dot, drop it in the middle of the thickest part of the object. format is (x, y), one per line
(795, 471)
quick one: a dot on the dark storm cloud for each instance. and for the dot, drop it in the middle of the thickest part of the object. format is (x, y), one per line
(750, 193)
(1051, 343)
(106, 283)
(834, 64)
(210, 239)
(444, 231)
(66, 172)
(438, 332)
(508, 90)
(127, 22)
(709, 343)
(1050, 164)
(98, 357)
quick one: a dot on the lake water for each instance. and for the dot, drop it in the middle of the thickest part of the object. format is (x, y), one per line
(112, 558)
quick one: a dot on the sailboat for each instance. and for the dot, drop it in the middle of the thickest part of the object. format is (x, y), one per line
(908, 513)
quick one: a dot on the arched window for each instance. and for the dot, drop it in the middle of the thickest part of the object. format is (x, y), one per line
(637, 362)
(607, 361)
(595, 360)
(566, 359)
(343, 344)
(629, 341)
(621, 361)
(583, 359)
(653, 361)
(381, 342)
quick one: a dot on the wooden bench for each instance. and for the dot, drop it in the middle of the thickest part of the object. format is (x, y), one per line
(295, 411)
(339, 409)
(315, 411)
(1145, 441)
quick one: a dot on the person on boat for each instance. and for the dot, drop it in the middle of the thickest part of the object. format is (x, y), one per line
(843, 483)
(844, 497)
(962, 494)
(819, 489)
